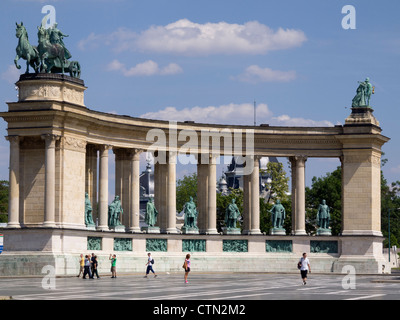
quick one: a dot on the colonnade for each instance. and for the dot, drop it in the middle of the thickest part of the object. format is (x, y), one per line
(127, 187)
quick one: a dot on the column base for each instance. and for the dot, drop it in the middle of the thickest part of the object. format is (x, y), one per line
(171, 231)
(212, 231)
(13, 225)
(49, 224)
(300, 233)
(102, 228)
(134, 230)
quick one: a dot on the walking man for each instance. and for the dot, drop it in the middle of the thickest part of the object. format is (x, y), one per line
(149, 265)
(305, 267)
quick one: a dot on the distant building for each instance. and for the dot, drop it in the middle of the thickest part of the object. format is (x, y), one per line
(233, 177)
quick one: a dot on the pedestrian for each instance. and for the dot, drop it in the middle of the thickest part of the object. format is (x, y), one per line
(87, 268)
(113, 259)
(149, 265)
(81, 265)
(304, 267)
(95, 264)
(186, 266)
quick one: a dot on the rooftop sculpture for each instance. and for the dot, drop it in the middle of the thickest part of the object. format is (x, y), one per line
(49, 56)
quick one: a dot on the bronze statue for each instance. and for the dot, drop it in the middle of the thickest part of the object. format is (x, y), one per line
(88, 211)
(51, 54)
(323, 215)
(278, 215)
(151, 213)
(115, 212)
(190, 214)
(232, 214)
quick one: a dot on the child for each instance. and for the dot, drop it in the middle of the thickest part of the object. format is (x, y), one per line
(149, 265)
(186, 266)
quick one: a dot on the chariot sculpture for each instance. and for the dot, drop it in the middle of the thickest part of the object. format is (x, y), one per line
(49, 56)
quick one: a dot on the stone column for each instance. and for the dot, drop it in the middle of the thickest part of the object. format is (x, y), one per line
(293, 176)
(50, 180)
(91, 177)
(13, 200)
(202, 195)
(134, 211)
(300, 196)
(246, 204)
(212, 195)
(171, 193)
(103, 188)
(255, 198)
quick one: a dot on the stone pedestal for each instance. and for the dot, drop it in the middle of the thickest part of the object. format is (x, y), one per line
(151, 229)
(277, 231)
(120, 228)
(324, 232)
(229, 231)
(189, 230)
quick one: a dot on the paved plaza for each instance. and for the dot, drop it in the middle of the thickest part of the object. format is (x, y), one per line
(201, 286)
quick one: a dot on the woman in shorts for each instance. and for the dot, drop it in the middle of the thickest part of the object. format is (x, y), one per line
(186, 266)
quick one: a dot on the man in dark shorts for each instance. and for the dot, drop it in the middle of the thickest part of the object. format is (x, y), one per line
(305, 267)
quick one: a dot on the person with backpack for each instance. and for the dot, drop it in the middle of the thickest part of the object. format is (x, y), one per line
(304, 266)
(149, 264)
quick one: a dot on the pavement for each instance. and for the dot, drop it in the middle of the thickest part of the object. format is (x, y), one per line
(204, 286)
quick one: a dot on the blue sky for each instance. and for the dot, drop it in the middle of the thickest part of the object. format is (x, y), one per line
(209, 60)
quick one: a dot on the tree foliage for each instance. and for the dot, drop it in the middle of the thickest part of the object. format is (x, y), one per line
(186, 188)
(4, 185)
(327, 188)
(278, 189)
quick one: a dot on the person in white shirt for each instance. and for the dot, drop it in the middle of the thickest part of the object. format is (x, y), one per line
(305, 267)
(149, 265)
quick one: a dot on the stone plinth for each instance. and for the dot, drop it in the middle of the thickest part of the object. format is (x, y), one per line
(277, 231)
(50, 87)
(189, 230)
(324, 232)
(362, 116)
(229, 231)
(149, 229)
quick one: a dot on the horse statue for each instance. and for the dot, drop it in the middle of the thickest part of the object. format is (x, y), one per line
(25, 50)
(51, 55)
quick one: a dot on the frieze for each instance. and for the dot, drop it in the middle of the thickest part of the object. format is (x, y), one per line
(74, 144)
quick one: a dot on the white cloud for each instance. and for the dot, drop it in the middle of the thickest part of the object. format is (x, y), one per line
(235, 114)
(255, 74)
(147, 68)
(12, 74)
(285, 120)
(225, 114)
(189, 38)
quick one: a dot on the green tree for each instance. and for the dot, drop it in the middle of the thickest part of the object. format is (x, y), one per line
(327, 188)
(186, 188)
(279, 188)
(4, 186)
(279, 181)
(223, 202)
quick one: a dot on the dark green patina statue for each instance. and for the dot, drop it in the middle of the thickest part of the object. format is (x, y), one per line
(151, 213)
(115, 212)
(190, 214)
(88, 211)
(363, 95)
(51, 54)
(232, 214)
